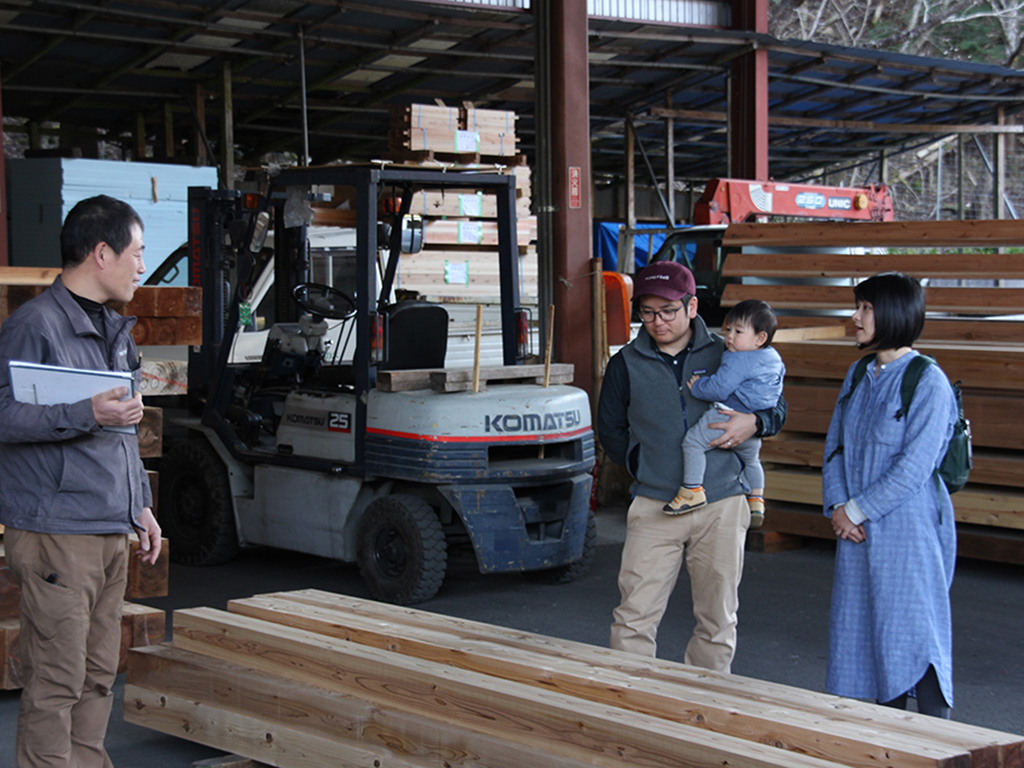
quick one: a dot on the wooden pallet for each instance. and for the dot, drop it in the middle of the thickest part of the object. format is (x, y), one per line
(290, 677)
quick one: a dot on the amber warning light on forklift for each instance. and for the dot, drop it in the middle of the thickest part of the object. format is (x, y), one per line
(378, 336)
(251, 200)
(522, 333)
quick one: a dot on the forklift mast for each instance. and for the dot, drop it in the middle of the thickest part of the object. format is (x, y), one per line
(223, 250)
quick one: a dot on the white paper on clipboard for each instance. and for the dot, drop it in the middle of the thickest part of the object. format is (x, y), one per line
(52, 385)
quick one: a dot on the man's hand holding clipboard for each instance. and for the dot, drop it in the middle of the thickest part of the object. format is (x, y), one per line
(114, 408)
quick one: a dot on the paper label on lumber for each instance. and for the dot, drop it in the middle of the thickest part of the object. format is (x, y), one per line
(471, 205)
(467, 141)
(470, 233)
(456, 272)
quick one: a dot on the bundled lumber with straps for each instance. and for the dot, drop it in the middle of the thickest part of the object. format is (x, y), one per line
(311, 678)
(975, 298)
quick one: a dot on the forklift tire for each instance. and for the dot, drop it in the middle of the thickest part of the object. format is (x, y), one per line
(401, 550)
(195, 505)
(563, 574)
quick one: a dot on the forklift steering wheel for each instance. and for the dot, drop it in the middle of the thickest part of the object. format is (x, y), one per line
(323, 300)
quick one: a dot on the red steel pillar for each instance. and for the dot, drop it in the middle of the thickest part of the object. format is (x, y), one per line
(748, 114)
(570, 160)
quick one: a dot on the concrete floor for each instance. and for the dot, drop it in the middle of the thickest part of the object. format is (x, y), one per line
(784, 604)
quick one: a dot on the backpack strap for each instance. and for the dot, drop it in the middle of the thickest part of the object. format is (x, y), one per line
(911, 376)
(858, 373)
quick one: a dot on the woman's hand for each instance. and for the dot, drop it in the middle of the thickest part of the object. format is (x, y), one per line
(843, 528)
(739, 427)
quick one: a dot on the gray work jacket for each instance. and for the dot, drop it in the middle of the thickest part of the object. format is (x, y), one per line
(60, 472)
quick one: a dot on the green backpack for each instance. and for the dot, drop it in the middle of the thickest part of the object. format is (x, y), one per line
(956, 464)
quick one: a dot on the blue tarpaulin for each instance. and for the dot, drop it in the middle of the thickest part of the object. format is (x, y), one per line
(606, 244)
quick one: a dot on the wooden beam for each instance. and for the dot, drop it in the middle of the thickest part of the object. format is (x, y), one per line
(975, 505)
(988, 747)
(525, 715)
(804, 449)
(353, 731)
(854, 744)
(979, 367)
(971, 266)
(995, 417)
(935, 328)
(891, 234)
(970, 301)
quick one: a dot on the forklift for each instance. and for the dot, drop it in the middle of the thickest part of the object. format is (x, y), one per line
(299, 449)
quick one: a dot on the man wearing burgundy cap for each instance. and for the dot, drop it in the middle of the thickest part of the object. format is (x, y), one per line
(644, 411)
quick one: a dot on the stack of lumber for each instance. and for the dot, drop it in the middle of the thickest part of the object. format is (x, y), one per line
(978, 338)
(459, 260)
(428, 131)
(166, 315)
(309, 678)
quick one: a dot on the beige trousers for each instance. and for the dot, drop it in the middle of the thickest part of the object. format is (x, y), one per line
(72, 592)
(711, 540)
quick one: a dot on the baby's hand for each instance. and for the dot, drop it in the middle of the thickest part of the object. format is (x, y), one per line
(693, 378)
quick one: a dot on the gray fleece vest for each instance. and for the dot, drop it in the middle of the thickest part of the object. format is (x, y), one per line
(660, 411)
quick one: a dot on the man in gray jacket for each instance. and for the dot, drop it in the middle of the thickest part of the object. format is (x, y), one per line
(71, 490)
(644, 410)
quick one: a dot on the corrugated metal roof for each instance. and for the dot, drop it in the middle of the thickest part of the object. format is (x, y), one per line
(89, 63)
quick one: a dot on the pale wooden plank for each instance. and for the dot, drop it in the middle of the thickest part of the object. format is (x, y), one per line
(802, 449)
(974, 301)
(974, 504)
(538, 718)
(353, 722)
(893, 234)
(849, 743)
(977, 366)
(223, 729)
(974, 330)
(461, 379)
(940, 265)
(995, 416)
(809, 332)
(28, 275)
(404, 381)
(988, 747)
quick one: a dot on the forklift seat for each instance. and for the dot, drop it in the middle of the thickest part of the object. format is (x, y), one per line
(417, 336)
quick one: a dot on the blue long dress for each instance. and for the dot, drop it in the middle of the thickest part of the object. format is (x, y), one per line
(890, 597)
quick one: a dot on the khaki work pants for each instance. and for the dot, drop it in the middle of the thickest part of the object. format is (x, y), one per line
(72, 591)
(711, 540)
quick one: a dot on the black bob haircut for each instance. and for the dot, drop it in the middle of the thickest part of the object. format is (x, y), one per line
(757, 314)
(898, 303)
(95, 220)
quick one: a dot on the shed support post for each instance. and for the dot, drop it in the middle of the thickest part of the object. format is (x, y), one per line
(227, 139)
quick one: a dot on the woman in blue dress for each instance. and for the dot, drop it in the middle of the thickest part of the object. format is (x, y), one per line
(890, 632)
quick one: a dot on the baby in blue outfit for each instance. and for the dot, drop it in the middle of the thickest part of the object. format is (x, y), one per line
(749, 379)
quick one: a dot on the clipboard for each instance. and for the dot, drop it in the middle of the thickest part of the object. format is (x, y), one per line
(54, 385)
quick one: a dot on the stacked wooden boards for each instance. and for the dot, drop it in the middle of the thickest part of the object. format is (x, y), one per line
(459, 260)
(311, 678)
(976, 335)
(468, 132)
(166, 315)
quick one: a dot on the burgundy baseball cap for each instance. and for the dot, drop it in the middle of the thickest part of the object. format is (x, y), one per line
(667, 279)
